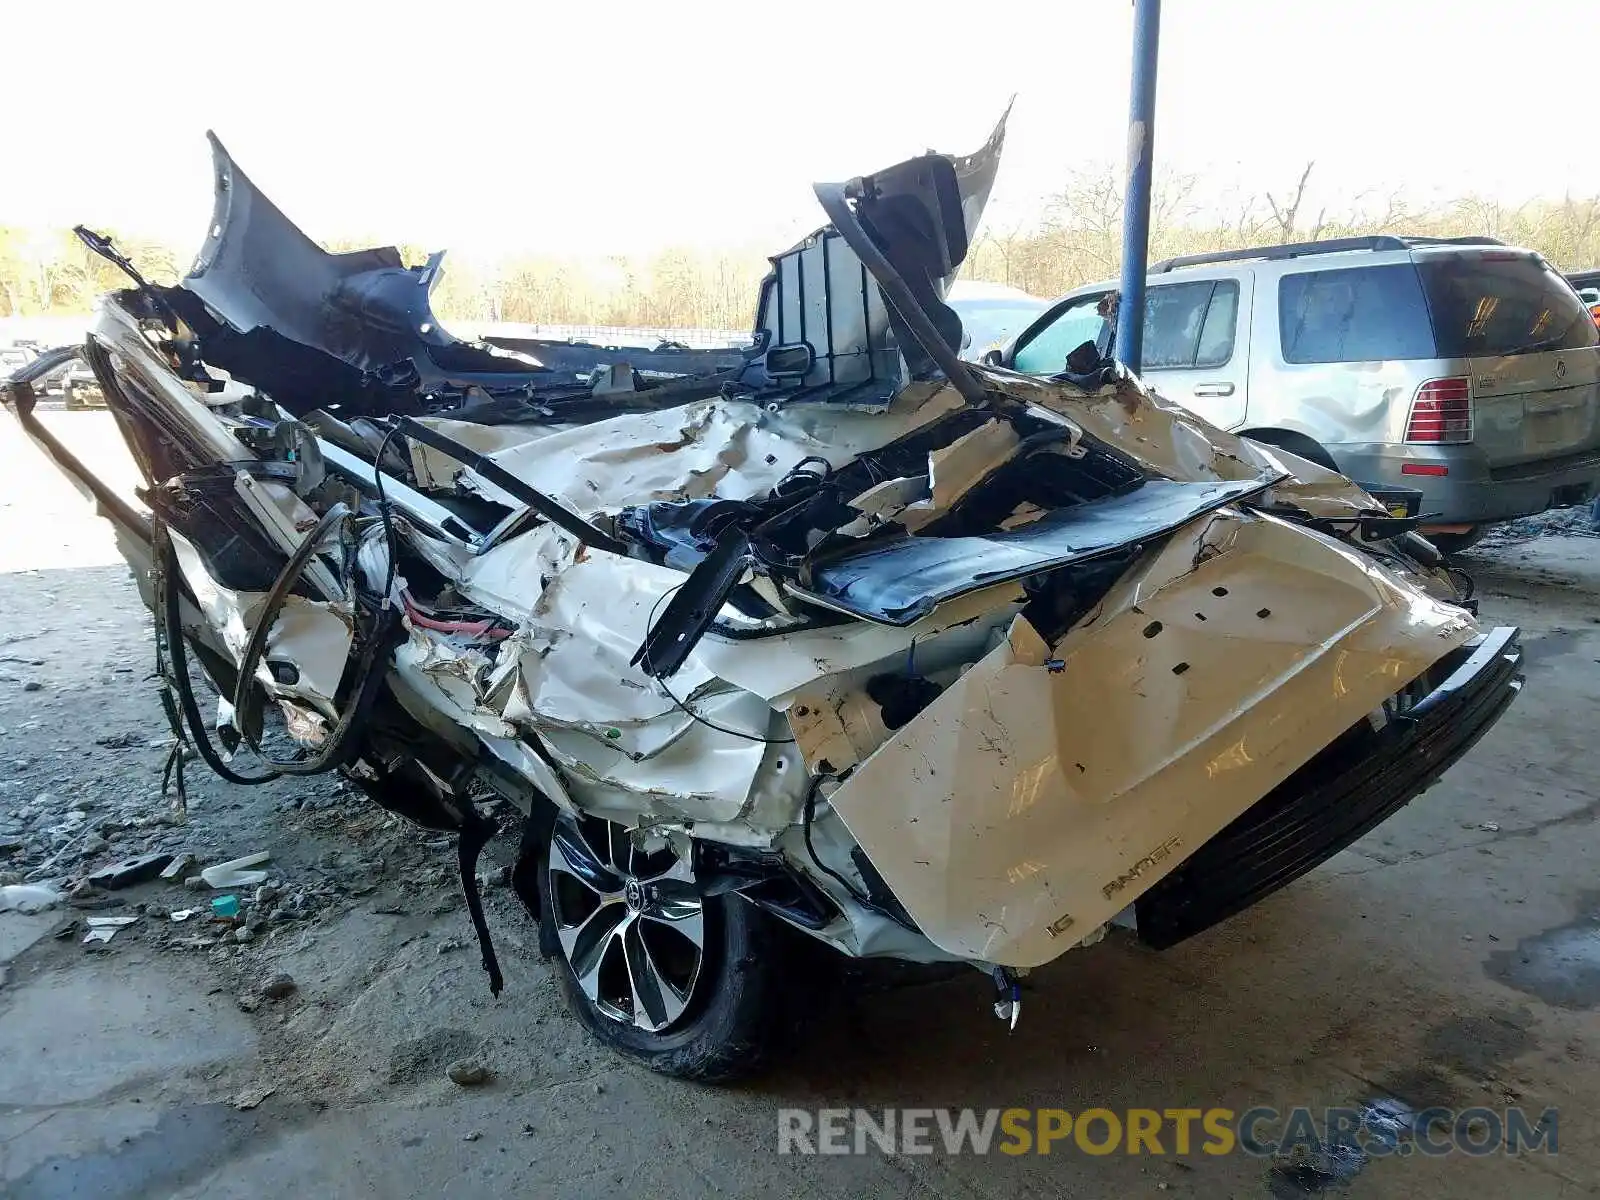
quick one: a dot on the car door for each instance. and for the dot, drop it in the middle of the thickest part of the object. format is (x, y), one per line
(1196, 348)
(1195, 351)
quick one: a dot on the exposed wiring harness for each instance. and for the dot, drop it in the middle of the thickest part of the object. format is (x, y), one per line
(421, 618)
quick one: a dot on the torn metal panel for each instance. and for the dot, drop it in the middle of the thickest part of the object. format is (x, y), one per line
(785, 663)
(731, 449)
(903, 580)
(527, 496)
(956, 469)
(573, 654)
(435, 469)
(839, 720)
(307, 645)
(700, 775)
(885, 501)
(1048, 787)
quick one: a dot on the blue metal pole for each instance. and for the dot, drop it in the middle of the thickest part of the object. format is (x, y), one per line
(1136, 202)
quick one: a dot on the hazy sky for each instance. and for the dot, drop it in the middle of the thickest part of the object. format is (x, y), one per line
(603, 126)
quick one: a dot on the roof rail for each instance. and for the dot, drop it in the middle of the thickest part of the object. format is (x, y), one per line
(1452, 241)
(1381, 241)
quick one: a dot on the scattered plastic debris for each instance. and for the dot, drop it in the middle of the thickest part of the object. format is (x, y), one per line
(130, 871)
(28, 898)
(103, 929)
(225, 906)
(233, 874)
(120, 741)
(182, 914)
(1490, 826)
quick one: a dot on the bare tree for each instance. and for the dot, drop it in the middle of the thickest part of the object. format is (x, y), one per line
(1287, 213)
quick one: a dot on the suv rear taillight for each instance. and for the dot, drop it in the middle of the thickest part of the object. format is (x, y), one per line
(1441, 412)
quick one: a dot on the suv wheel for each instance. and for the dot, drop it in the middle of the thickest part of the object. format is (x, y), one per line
(1307, 448)
(1451, 544)
(684, 983)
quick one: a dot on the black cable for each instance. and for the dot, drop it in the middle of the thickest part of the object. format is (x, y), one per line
(749, 737)
(807, 814)
(709, 724)
(167, 558)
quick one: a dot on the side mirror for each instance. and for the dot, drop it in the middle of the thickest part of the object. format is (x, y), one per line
(992, 358)
(1084, 358)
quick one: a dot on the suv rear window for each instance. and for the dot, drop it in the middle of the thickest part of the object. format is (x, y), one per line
(1500, 303)
(1356, 314)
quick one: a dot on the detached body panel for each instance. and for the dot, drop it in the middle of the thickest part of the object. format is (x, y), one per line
(1050, 786)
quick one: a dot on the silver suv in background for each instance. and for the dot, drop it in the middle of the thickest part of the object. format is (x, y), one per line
(1462, 368)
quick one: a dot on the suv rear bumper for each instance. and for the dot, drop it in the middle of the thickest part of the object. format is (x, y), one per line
(1473, 492)
(1346, 791)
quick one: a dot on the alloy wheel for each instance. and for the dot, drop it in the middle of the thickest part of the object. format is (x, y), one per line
(631, 923)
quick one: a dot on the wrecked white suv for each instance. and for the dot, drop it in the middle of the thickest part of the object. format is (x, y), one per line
(840, 639)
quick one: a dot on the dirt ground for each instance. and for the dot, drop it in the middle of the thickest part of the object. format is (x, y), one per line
(1452, 957)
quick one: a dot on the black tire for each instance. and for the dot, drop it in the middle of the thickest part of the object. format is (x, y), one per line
(1307, 448)
(1451, 544)
(737, 1006)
